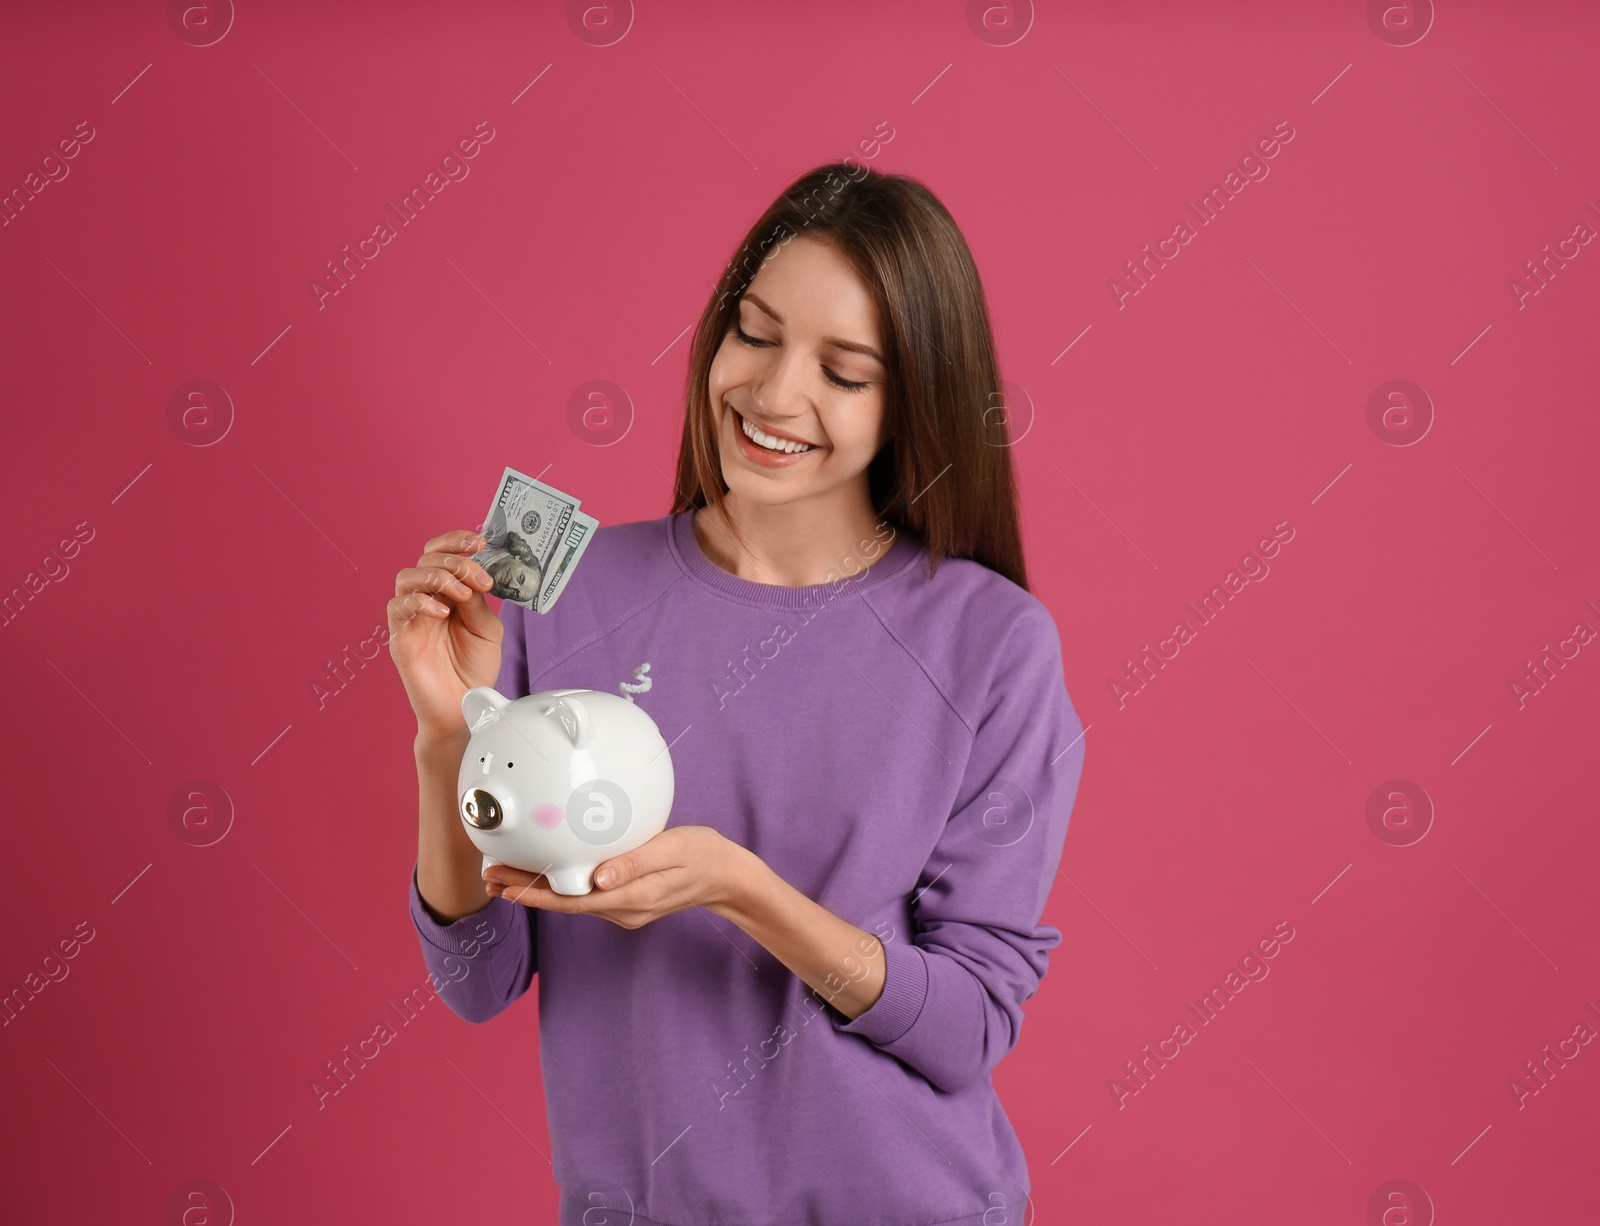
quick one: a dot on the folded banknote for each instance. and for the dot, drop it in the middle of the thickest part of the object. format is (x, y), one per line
(535, 536)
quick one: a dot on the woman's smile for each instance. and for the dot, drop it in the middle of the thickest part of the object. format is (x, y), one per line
(757, 453)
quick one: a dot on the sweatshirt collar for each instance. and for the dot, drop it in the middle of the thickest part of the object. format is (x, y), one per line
(868, 574)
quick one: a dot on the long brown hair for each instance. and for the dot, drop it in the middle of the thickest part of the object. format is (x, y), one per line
(945, 473)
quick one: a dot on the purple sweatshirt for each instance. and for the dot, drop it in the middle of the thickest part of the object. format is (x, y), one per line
(900, 749)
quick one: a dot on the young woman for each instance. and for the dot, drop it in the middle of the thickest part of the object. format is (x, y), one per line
(807, 978)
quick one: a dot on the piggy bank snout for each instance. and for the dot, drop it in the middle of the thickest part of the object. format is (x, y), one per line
(481, 810)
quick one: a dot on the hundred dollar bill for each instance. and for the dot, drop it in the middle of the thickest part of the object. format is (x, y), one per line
(578, 538)
(534, 536)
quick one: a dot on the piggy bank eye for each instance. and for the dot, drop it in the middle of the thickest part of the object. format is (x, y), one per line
(509, 765)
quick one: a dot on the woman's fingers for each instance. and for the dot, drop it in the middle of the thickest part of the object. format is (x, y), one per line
(460, 540)
(438, 581)
(443, 572)
(518, 885)
(401, 609)
(543, 897)
(420, 590)
(505, 875)
(462, 567)
(430, 590)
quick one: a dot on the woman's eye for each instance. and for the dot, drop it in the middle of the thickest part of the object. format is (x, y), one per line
(848, 385)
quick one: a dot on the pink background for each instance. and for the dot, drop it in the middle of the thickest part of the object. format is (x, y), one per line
(1163, 439)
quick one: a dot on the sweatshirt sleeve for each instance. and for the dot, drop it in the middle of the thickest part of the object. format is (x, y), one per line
(482, 962)
(953, 991)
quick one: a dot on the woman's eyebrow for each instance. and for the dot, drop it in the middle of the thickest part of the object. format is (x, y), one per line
(853, 346)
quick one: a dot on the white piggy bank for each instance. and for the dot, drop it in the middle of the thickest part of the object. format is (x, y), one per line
(561, 780)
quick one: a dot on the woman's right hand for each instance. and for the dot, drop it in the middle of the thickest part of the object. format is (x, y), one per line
(442, 636)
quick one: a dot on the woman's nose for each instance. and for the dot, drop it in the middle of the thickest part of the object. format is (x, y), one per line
(775, 394)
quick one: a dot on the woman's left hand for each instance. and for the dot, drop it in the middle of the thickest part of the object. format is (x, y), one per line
(682, 867)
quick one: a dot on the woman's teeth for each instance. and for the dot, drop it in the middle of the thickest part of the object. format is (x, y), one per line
(762, 439)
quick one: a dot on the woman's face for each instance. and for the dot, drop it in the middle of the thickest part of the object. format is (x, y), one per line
(801, 375)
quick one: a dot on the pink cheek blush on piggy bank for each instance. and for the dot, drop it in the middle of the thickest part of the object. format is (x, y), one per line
(561, 780)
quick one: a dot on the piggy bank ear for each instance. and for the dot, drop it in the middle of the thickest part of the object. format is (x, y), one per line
(574, 719)
(481, 704)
